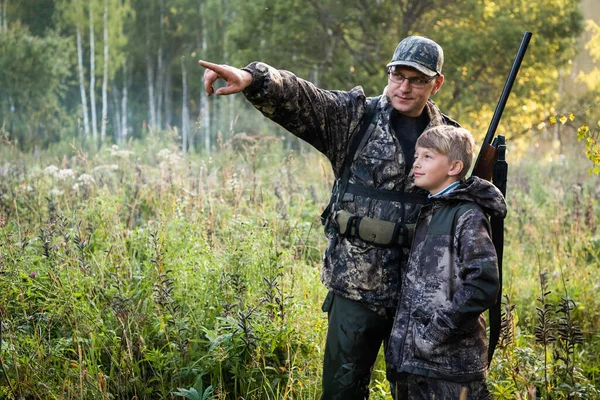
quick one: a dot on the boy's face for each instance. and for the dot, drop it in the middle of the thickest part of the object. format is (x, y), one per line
(433, 170)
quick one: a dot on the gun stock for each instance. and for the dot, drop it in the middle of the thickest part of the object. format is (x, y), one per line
(485, 163)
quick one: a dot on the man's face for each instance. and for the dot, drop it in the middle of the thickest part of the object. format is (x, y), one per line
(410, 99)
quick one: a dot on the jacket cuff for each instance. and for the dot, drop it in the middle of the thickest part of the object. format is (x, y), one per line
(259, 73)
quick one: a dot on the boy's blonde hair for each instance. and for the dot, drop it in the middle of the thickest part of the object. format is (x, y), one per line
(454, 142)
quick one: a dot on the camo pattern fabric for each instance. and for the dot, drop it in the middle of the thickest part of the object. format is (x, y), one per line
(328, 120)
(414, 387)
(451, 279)
(418, 51)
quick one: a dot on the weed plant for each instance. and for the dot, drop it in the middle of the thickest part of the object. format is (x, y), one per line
(135, 272)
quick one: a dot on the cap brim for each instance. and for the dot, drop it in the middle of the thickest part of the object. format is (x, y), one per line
(417, 66)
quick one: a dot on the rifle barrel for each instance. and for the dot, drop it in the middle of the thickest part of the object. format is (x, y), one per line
(505, 93)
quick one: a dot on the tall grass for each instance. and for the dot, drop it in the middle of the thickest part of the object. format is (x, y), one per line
(135, 272)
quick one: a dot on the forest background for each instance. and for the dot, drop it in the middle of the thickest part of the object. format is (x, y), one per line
(156, 243)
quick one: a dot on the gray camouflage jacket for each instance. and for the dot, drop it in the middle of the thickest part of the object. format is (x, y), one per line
(328, 119)
(451, 279)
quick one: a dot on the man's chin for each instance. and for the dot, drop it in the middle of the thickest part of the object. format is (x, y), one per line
(406, 108)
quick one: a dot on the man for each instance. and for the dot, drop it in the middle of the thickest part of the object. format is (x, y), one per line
(370, 143)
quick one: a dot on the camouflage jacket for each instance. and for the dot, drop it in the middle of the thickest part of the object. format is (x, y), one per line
(451, 279)
(328, 119)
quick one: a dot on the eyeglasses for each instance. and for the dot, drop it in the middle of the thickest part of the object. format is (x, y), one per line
(415, 82)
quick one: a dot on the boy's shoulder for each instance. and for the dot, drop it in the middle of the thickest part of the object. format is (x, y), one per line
(443, 220)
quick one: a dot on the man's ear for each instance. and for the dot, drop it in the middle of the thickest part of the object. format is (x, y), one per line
(439, 81)
(456, 168)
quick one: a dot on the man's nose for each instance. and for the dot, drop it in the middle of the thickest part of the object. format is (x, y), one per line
(405, 86)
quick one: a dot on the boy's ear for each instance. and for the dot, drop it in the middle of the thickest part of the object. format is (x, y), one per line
(456, 168)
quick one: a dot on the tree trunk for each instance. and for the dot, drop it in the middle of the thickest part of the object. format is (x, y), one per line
(214, 112)
(124, 128)
(105, 77)
(150, 73)
(168, 100)
(205, 120)
(185, 114)
(86, 121)
(93, 75)
(117, 113)
(159, 67)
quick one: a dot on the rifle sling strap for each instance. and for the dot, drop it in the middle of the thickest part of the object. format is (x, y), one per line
(358, 140)
(389, 195)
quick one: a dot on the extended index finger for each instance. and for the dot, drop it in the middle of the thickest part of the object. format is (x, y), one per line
(219, 69)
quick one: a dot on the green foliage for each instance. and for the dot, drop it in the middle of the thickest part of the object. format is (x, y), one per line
(337, 44)
(136, 272)
(34, 74)
(122, 280)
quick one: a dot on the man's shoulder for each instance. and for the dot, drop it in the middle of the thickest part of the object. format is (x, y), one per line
(449, 121)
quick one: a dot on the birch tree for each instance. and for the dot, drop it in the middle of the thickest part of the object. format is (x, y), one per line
(185, 114)
(124, 127)
(84, 106)
(93, 72)
(105, 76)
(150, 75)
(204, 113)
(159, 64)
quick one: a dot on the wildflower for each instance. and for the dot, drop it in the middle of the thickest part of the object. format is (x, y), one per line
(65, 174)
(33, 274)
(164, 154)
(55, 192)
(86, 179)
(265, 224)
(51, 170)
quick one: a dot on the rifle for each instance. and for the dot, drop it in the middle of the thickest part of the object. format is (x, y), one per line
(491, 165)
(489, 153)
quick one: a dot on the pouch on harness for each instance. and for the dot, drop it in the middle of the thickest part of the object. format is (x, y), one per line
(339, 221)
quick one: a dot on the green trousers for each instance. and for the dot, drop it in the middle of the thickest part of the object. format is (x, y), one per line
(354, 335)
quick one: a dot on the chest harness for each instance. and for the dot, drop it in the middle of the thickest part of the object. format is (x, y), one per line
(338, 221)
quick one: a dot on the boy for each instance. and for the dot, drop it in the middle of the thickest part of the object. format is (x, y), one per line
(438, 347)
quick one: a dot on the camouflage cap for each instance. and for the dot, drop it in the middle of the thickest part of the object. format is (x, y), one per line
(420, 53)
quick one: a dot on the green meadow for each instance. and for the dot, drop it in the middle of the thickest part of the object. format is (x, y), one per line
(136, 273)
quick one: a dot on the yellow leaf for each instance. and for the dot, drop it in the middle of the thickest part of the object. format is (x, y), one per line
(562, 119)
(571, 116)
(597, 170)
(541, 126)
(582, 132)
(552, 120)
